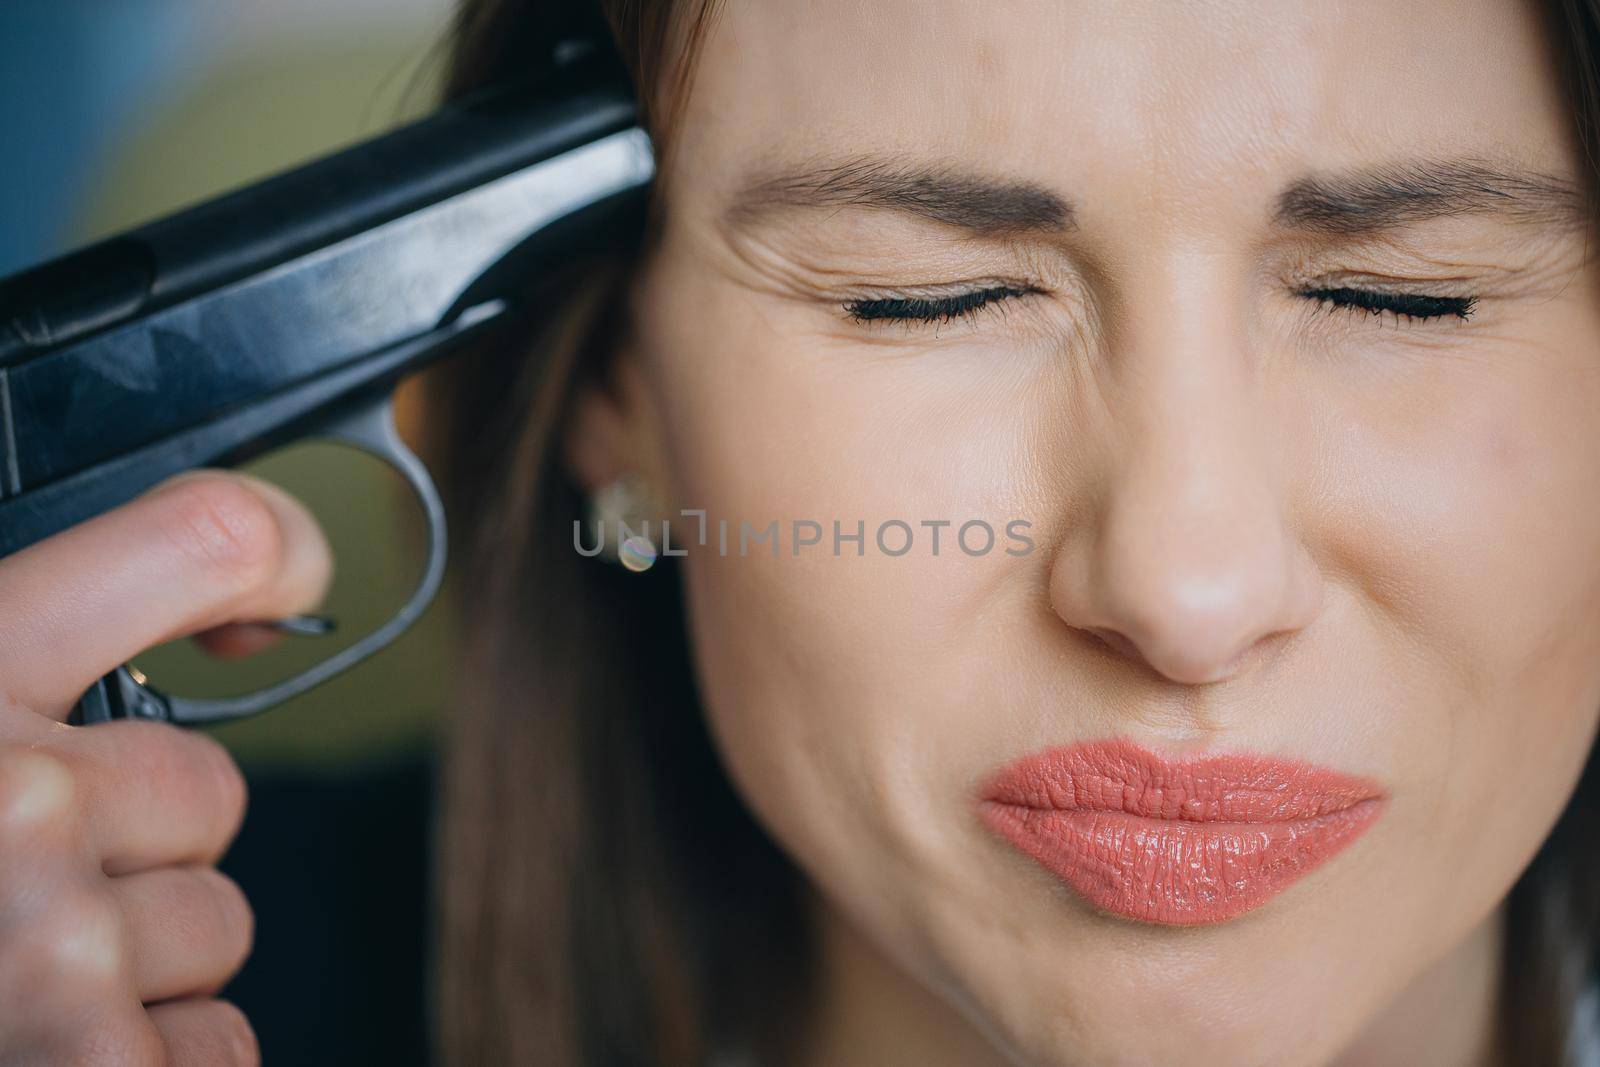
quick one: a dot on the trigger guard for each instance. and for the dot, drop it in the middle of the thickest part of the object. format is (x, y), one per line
(367, 424)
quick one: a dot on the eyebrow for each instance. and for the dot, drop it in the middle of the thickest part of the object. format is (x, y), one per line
(938, 192)
(1365, 201)
(1351, 203)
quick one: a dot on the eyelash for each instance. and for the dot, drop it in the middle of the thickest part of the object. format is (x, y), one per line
(1400, 305)
(964, 305)
(931, 309)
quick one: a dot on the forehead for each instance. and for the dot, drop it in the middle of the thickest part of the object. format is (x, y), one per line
(1126, 100)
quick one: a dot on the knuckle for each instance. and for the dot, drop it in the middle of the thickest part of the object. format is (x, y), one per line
(75, 942)
(37, 790)
(221, 524)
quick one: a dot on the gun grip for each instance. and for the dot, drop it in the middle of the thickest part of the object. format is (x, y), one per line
(122, 694)
(368, 424)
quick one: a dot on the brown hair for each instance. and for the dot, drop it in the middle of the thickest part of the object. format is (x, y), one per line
(606, 897)
(601, 884)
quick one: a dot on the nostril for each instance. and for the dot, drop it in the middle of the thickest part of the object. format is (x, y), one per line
(1117, 642)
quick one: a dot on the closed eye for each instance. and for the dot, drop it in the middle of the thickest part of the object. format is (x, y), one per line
(966, 304)
(931, 309)
(1400, 305)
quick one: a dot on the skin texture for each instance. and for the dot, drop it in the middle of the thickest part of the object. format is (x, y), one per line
(1262, 524)
(116, 930)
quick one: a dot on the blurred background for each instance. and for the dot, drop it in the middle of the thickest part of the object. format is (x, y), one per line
(121, 111)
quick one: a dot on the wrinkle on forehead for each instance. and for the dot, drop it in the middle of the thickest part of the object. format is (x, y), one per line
(1147, 108)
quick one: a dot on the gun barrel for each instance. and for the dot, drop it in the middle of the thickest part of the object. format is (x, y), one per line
(482, 137)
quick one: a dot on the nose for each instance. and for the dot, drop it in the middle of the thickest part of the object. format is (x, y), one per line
(1185, 557)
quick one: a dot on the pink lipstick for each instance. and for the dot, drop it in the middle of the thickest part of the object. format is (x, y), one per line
(1184, 842)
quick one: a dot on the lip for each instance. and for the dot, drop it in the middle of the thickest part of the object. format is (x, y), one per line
(1180, 842)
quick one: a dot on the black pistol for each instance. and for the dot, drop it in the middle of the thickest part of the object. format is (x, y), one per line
(289, 309)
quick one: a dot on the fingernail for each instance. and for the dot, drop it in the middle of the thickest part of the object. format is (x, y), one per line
(303, 625)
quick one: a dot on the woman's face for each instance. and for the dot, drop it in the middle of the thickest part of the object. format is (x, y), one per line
(1284, 359)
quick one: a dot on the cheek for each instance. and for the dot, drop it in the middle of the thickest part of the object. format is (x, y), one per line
(879, 460)
(841, 686)
(1475, 539)
(1535, 614)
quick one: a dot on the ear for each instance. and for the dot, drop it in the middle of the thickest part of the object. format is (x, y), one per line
(610, 429)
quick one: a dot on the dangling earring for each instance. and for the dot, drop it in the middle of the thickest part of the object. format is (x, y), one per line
(621, 511)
